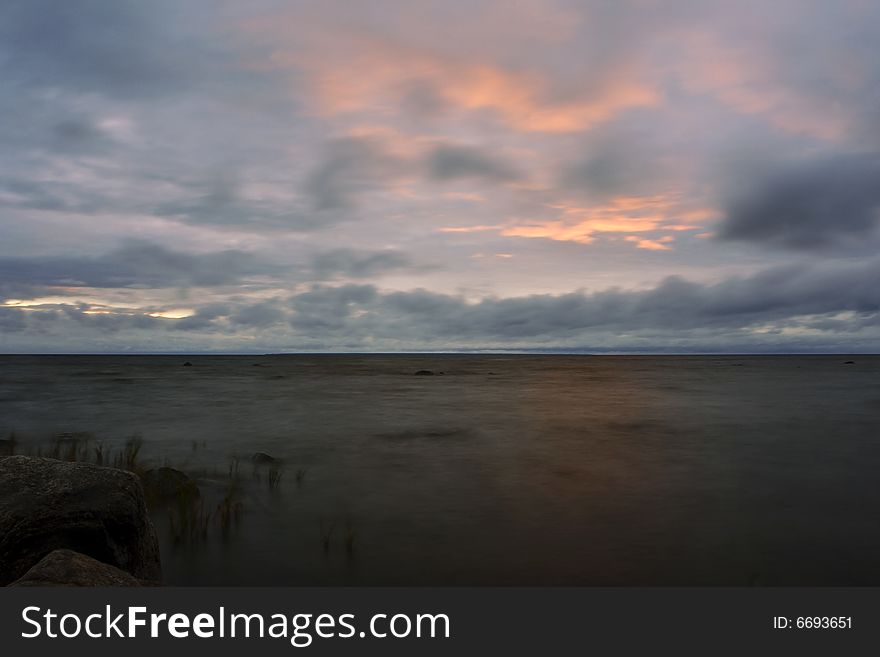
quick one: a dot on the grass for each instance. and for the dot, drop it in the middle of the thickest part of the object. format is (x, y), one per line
(128, 458)
(229, 510)
(326, 535)
(8, 446)
(190, 518)
(188, 522)
(349, 538)
(234, 468)
(71, 446)
(100, 457)
(78, 447)
(274, 478)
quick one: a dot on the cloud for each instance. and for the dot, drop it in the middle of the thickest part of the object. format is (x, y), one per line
(808, 205)
(448, 162)
(638, 153)
(351, 166)
(119, 49)
(779, 308)
(773, 296)
(617, 216)
(351, 263)
(475, 72)
(136, 264)
(272, 155)
(219, 201)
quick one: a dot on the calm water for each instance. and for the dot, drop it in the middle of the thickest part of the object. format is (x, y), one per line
(505, 470)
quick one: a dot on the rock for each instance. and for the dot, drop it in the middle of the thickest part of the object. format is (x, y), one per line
(850, 362)
(261, 458)
(69, 568)
(187, 364)
(169, 485)
(47, 504)
(424, 373)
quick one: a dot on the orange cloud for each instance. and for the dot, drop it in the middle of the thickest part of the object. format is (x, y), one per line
(661, 244)
(467, 229)
(377, 75)
(624, 214)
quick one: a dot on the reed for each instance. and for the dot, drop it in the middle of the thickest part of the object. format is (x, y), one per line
(274, 477)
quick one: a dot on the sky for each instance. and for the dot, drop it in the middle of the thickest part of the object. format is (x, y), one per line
(607, 176)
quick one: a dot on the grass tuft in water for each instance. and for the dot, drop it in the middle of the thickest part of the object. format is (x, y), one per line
(229, 510)
(349, 538)
(128, 458)
(326, 535)
(274, 477)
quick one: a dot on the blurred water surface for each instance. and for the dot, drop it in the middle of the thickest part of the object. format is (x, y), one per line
(505, 469)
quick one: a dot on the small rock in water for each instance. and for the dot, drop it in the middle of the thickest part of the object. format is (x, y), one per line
(187, 364)
(68, 568)
(424, 373)
(167, 484)
(850, 362)
(261, 458)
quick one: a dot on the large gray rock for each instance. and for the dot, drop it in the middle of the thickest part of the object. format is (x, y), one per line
(47, 504)
(69, 568)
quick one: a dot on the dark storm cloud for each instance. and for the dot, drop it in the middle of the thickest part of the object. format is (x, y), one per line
(785, 307)
(12, 320)
(142, 264)
(232, 316)
(823, 202)
(329, 308)
(267, 313)
(136, 264)
(451, 162)
(774, 295)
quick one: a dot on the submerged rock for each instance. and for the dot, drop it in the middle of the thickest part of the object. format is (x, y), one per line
(69, 568)
(47, 504)
(168, 485)
(424, 373)
(261, 458)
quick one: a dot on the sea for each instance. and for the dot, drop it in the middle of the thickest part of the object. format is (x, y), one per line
(491, 470)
